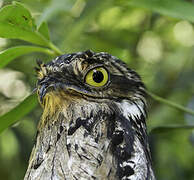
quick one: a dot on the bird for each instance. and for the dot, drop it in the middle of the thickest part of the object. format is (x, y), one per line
(93, 125)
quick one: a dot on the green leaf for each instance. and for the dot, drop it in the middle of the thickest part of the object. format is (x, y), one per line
(11, 31)
(18, 15)
(10, 54)
(18, 112)
(44, 30)
(175, 8)
(169, 128)
(16, 22)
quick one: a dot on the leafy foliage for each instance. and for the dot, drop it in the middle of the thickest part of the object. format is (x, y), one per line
(18, 112)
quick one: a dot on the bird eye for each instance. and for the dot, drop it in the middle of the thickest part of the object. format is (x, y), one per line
(97, 77)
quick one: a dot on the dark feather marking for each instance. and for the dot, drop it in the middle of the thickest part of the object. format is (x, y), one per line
(61, 129)
(49, 147)
(140, 110)
(142, 135)
(76, 148)
(73, 127)
(85, 157)
(81, 56)
(39, 62)
(93, 177)
(93, 60)
(79, 156)
(109, 172)
(58, 136)
(66, 58)
(123, 149)
(37, 133)
(75, 177)
(97, 138)
(128, 171)
(117, 138)
(99, 159)
(143, 138)
(89, 53)
(111, 125)
(130, 84)
(87, 123)
(68, 149)
(84, 170)
(38, 162)
(115, 64)
(83, 149)
(86, 134)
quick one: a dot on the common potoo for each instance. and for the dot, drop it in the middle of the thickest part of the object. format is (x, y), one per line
(93, 122)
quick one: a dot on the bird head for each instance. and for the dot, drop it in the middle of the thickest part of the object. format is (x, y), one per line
(86, 76)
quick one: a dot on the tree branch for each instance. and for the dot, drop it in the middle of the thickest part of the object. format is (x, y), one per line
(170, 103)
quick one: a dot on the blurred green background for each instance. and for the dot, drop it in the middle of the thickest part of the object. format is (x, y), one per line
(157, 41)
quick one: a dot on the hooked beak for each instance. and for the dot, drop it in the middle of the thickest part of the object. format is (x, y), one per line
(45, 88)
(69, 88)
(42, 92)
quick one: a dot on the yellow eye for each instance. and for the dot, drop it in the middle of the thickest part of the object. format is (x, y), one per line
(97, 77)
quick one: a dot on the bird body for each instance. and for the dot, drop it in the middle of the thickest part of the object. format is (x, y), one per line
(93, 123)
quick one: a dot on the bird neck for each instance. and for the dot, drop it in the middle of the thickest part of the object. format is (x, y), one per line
(93, 140)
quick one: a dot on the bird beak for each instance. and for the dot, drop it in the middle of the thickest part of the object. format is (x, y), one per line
(42, 92)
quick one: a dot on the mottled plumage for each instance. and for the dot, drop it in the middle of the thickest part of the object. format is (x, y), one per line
(90, 132)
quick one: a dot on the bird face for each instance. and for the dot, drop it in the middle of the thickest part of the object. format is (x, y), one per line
(87, 75)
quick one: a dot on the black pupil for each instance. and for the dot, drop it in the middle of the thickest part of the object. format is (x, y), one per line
(98, 76)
